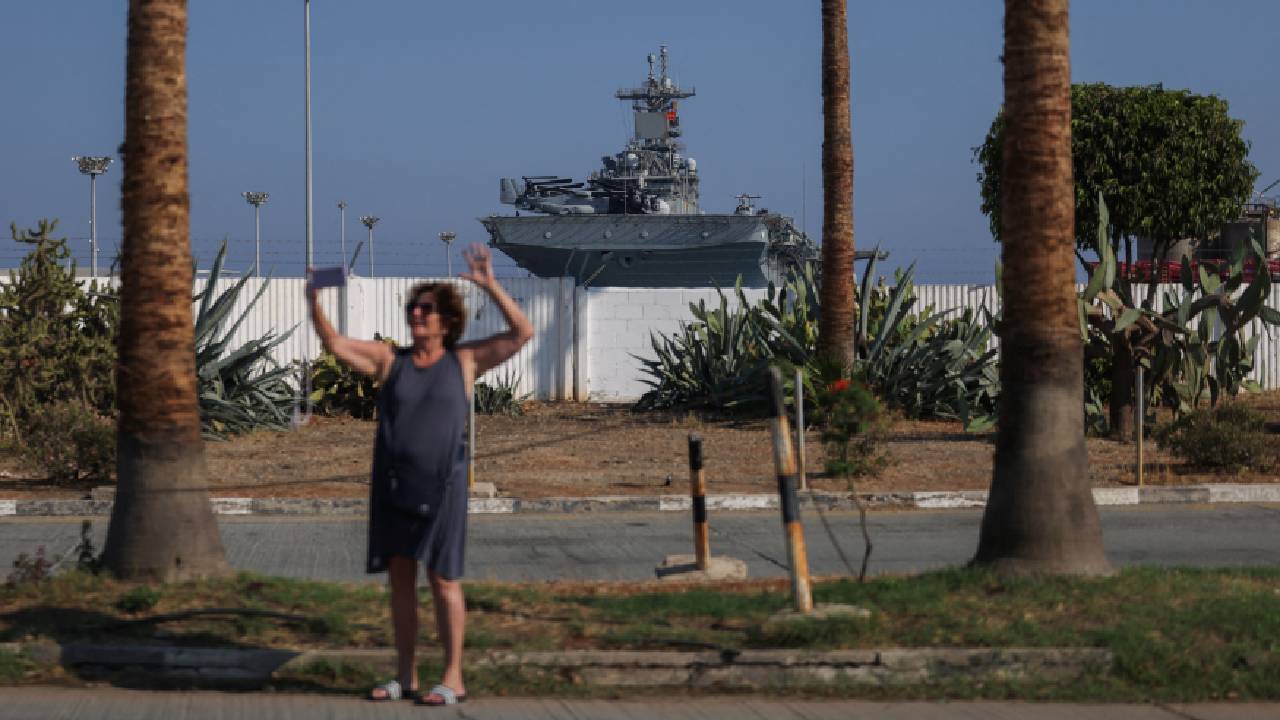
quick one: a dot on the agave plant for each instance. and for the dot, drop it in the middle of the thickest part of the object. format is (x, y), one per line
(924, 363)
(717, 361)
(501, 396)
(241, 389)
(1194, 346)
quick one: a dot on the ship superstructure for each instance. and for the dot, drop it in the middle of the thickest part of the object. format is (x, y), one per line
(636, 221)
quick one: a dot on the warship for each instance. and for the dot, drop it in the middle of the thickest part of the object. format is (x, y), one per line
(636, 221)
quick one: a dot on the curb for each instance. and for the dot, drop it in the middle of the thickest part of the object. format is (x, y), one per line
(358, 507)
(753, 669)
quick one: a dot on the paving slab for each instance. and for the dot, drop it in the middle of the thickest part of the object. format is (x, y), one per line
(114, 704)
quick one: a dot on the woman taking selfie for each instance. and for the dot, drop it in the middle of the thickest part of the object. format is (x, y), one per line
(418, 498)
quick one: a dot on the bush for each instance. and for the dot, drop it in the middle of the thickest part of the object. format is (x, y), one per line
(1097, 388)
(140, 599)
(71, 443)
(338, 390)
(500, 398)
(852, 428)
(1230, 436)
(31, 568)
(57, 335)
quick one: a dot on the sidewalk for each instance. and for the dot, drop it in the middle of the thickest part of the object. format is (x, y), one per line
(486, 504)
(111, 704)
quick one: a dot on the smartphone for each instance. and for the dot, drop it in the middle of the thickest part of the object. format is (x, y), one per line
(327, 277)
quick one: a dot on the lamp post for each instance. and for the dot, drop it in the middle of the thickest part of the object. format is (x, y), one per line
(93, 166)
(306, 25)
(447, 237)
(256, 199)
(369, 221)
(342, 231)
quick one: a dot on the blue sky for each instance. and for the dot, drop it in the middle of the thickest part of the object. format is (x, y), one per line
(419, 107)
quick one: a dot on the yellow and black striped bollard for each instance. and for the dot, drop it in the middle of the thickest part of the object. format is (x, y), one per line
(785, 464)
(698, 491)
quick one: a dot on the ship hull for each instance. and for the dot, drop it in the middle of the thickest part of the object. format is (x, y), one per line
(641, 250)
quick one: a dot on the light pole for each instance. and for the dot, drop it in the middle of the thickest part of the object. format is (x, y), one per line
(369, 221)
(93, 166)
(306, 25)
(447, 237)
(342, 224)
(256, 199)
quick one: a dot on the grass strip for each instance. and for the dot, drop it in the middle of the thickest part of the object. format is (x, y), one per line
(1176, 634)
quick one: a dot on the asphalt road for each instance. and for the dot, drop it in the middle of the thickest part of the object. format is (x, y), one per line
(625, 546)
(109, 704)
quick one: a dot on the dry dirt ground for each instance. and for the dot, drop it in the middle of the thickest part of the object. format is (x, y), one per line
(572, 450)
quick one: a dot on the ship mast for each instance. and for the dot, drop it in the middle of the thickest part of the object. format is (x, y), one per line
(652, 159)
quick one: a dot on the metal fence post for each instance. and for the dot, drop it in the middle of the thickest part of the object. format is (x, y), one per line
(1141, 417)
(800, 454)
(471, 441)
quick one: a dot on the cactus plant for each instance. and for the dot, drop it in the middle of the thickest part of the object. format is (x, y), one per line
(57, 334)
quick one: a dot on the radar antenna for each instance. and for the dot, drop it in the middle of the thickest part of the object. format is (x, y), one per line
(744, 204)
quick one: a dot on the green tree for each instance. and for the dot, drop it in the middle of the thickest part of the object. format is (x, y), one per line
(1170, 164)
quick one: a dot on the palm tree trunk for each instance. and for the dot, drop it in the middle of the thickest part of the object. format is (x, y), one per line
(835, 320)
(1040, 517)
(162, 527)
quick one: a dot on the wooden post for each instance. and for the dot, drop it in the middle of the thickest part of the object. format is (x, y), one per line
(784, 463)
(698, 491)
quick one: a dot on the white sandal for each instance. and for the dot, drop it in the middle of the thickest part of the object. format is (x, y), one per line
(391, 689)
(446, 693)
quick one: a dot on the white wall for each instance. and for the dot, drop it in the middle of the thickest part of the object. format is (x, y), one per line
(620, 322)
(587, 356)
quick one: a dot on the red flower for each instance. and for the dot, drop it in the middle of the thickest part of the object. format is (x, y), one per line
(839, 385)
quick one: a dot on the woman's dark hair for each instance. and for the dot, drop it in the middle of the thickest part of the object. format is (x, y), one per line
(452, 311)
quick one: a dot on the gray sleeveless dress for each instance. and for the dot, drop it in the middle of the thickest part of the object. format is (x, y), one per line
(422, 414)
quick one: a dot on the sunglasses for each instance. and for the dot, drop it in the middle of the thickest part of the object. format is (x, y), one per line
(426, 306)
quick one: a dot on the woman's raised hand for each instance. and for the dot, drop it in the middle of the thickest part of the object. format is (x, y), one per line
(479, 264)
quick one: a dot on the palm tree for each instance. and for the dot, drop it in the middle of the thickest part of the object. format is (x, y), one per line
(162, 527)
(1040, 517)
(835, 320)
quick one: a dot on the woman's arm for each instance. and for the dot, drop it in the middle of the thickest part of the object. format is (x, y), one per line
(367, 357)
(492, 351)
